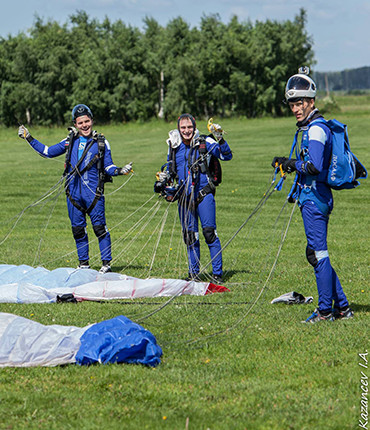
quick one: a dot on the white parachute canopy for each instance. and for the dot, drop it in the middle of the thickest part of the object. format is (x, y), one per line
(26, 284)
(26, 343)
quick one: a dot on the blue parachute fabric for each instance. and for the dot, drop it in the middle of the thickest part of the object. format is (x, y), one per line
(63, 276)
(118, 340)
(68, 277)
(26, 284)
(5, 267)
(342, 168)
(32, 274)
(11, 274)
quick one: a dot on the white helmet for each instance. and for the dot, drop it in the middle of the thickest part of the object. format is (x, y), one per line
(300, 85)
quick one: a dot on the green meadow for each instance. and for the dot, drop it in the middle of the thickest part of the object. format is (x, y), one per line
(231, 360)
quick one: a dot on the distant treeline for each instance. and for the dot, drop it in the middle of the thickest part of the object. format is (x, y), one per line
(347, 80)
(124, 73)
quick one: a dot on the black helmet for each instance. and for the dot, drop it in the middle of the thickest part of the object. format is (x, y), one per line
(188, 116)
(81, 110)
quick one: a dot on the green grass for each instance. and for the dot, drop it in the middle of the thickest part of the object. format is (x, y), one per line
(269, 371)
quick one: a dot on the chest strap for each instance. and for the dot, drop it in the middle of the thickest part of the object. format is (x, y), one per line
(99, 159)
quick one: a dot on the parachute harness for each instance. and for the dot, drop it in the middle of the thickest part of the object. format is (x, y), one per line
(98, 158)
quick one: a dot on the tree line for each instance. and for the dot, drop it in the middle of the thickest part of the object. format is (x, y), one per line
(347, 80)
(124, 73)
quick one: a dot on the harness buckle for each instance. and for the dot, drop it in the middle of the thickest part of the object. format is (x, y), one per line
(202, 193)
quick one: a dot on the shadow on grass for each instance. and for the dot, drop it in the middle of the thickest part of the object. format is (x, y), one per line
(230, 273)
(119, 269)
(360, 308)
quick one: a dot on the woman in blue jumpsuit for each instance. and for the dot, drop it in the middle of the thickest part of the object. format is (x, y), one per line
(84, 189)
(197, 199)
(314, 195)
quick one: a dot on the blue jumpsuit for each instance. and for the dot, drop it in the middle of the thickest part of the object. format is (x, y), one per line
(316, 203)
(82, 189)
(193, 182)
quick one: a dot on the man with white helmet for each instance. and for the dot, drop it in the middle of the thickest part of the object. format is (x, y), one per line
(88, 165)
(314, 195)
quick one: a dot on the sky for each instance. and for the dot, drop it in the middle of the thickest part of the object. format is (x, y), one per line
(340, 29)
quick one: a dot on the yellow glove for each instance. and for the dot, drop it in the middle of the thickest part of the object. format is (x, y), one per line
(23, 133)
(215, 129)
(161, 176)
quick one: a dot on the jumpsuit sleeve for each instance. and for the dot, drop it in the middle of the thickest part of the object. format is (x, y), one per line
(49, 151)
(317, 139)
(109, 167)
(220, 149)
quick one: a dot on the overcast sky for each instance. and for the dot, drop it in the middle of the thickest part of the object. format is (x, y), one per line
(340, 28)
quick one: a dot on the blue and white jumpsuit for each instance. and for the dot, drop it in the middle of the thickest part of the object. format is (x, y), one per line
(316, 203)
(82, 189)
(192, 183)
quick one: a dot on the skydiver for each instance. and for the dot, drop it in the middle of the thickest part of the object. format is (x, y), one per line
(88, 165)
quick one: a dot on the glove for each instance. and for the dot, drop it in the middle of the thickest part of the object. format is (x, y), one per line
(288, 165)
(73, 130)
(174, 139)
(277, 161)
(162, 176)
(217, 131)
(23, 133)
(125, 170)
(159, 186)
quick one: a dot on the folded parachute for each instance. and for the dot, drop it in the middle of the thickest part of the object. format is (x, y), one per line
(26, 343)
(26, 284)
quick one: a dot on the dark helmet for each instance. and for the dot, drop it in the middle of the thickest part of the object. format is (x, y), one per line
(81, 110)
(188, 116)
(300, 86)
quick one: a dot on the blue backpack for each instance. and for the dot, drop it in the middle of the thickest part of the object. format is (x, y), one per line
(345, 168)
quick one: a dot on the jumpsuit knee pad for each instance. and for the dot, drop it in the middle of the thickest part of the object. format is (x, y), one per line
(78, 232)
(209, 234)
(189, 237)
(311, 256)
(100, 231)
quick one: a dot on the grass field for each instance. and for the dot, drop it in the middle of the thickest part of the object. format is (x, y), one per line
(231, 361)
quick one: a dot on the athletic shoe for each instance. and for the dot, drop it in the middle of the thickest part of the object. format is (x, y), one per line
(317, 317)
(105, 269)
(83, 265)
(339, 314)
